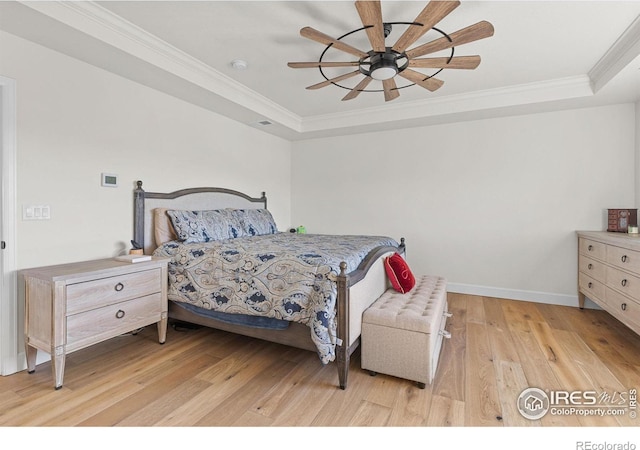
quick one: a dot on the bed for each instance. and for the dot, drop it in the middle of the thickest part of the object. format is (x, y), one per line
(230, 268)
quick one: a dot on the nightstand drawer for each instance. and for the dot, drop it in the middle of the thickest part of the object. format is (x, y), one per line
(109, 321)
(107, 291)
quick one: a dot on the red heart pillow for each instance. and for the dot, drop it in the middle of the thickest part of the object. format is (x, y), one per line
(399, 274)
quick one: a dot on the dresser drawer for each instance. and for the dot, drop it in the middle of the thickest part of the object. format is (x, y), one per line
(595, 269)
(109, 321)
(593, 249)
(591, 287)
(623, 282)
(624, 258)
(106, 291)
(624, 309)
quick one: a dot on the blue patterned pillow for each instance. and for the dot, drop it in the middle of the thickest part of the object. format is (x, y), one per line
(205, 226)
(256, 222)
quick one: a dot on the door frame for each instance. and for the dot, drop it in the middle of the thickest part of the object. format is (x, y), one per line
(11, 359)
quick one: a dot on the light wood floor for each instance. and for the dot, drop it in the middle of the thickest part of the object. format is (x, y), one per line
(206, 377)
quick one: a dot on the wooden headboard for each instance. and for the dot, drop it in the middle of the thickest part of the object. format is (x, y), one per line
(202, 198)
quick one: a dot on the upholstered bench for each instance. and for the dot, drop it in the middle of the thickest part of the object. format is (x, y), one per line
(402, 333)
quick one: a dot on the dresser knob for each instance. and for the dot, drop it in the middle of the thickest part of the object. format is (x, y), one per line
(119, 287)
(120, 314)
(623, 306)
(624, 258)
(624, 282)
(590, 285)
(590, 266)
(590, 248)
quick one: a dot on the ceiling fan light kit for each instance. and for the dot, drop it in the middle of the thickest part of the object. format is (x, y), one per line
(384, 63)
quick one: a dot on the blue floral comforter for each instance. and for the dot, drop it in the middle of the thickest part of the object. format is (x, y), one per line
(283, 276)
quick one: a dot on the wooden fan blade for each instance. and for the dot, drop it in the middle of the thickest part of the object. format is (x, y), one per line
(334, 80)
(371, 16)
(472, 33)
(313, 65)
(418, 78)
(433, 13)
(322, 38)
(457, 62)
(390, 90)
(359, 88)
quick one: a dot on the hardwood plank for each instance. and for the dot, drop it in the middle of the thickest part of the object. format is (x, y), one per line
(370, 415)
(225, 414)
(446, 412)
(511, 382)
(500, 337)
(481, 400)
(519, 314)
(274, 400)
(411, 408)
(475, 309)
(342, 405)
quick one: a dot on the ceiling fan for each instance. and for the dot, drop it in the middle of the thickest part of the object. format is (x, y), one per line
(384, 63)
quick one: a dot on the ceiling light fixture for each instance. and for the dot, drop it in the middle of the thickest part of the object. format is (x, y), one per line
(384, 63)
(239, 64)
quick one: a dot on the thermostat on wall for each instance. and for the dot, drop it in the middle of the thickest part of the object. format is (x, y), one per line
(109, 180)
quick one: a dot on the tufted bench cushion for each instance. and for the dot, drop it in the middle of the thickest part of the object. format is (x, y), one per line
(402, 333)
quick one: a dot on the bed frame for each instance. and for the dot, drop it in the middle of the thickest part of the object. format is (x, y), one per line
(357, 290)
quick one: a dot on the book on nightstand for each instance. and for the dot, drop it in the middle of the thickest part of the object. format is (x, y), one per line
(133, 258)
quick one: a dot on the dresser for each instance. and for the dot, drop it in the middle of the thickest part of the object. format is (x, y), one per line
(609, 274)
(72, 306)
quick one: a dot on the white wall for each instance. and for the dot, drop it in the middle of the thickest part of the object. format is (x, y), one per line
(487, 204)
(76, 121)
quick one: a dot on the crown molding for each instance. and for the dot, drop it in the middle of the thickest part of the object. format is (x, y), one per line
(620, 54)
(525, 94)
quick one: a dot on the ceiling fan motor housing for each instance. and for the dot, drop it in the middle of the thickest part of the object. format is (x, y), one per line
(383, 65)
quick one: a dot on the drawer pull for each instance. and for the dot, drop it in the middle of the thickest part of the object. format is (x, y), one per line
(119, 287)
(624, 258)
(590, 248)
(623, 306)
(590, 285)
(120, 314)
(590, 266)
(624, 282)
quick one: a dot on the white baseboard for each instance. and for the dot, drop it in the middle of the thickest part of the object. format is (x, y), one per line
(515, 294)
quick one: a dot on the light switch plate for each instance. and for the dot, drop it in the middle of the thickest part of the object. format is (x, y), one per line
(36, 212)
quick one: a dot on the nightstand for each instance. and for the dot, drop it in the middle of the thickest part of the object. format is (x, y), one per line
(72, 306)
